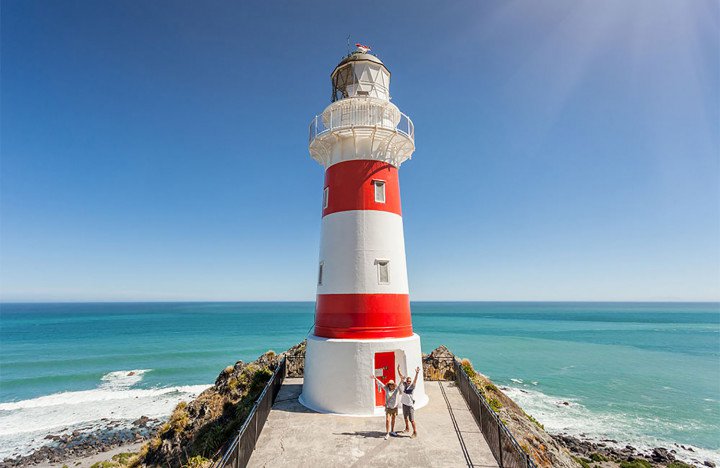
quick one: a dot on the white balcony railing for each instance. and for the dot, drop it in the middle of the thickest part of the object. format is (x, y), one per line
(362, 115)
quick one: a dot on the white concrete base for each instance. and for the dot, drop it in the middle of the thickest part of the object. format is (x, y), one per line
(337, 373)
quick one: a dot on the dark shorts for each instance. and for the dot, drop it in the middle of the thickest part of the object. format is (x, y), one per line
(409, 412)
(391, 411)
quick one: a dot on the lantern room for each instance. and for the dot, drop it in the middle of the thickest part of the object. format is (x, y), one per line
(360, 75)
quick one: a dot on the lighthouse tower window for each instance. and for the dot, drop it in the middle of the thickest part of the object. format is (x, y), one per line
(379, 191)
(383, 274)
(320, 273)
(326, 196)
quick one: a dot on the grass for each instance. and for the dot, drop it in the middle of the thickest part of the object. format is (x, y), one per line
(468, 368)
(635, 464)
(124, 458)
(197, 461)
(679, 464)
(495, 404)
(536, 422)
(179, 418)
(597, 457)
(584, 462)
(104, 464)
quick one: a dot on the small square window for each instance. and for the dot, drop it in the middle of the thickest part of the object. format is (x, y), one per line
(320, 273)
(379, 191)
(383, 273)
(326, 197)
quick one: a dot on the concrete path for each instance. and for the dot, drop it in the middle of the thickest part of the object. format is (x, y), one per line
(447, 435)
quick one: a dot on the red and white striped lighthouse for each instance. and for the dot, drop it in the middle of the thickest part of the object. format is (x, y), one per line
(363, 325)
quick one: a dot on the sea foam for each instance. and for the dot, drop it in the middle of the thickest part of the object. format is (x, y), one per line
(561, 415)
(25, 423)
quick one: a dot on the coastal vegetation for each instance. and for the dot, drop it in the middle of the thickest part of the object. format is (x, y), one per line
(197, 432)
(530, 434)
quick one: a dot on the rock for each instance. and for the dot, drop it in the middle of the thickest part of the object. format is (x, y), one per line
(439, 364)
(661, 455)
(141, 421)
(709, 463)
(295, 360)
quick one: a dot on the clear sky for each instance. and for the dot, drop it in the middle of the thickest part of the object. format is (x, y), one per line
(157, 150)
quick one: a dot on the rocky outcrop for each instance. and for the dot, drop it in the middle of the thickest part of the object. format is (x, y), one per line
(201, 428)
(439, 364)
(610, 453)
(295, 360)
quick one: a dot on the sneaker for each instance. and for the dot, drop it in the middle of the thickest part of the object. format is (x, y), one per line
(394, 434)
(387, 436)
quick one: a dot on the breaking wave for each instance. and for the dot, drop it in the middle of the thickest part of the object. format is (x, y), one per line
(568, 416)
(24, 424)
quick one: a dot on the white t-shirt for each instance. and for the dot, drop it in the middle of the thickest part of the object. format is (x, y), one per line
(406, 398)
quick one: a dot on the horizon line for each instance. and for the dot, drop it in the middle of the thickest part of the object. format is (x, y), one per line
(234, 301)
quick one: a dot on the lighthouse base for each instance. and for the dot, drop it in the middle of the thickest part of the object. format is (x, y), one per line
(337, 373)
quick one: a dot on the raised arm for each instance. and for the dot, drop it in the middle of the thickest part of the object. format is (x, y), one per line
(402, 377)
(417, 372)
(374, 377)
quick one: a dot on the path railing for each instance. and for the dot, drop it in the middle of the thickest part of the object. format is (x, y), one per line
(238, 453)
(505, 448)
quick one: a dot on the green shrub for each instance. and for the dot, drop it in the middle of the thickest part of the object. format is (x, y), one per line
(124, 458)
(597, 457)
(468, 368)
(197, 461)
(179, 418)
(233, 383)
(495, 404)
(209, 440)
(259, 378)
(582, 462)
(104, 464)
(635, 464)
(491, 387)
(679, 464)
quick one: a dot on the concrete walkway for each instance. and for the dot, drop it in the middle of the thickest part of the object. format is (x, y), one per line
(447, 435)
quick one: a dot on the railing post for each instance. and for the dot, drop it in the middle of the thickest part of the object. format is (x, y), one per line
(500, 445)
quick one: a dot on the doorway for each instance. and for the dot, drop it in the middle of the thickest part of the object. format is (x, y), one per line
(384, 370)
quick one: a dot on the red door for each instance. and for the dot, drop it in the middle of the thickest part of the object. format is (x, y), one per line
(384, 370)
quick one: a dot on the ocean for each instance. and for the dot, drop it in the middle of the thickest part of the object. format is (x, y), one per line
(647, 374)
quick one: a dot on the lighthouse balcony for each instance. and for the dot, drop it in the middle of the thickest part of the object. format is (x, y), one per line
(361, 128)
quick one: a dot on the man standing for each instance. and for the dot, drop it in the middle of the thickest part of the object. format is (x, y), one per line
(391, 404)
(408, 402)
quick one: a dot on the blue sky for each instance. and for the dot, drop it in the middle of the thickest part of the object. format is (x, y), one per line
(156, 150)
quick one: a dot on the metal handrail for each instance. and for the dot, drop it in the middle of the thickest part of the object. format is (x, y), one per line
(361, 115)
(234, 456)
(491, 425)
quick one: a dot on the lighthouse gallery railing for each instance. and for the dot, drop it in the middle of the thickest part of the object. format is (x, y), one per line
(238, 453)
(362, 115)
(503, 445)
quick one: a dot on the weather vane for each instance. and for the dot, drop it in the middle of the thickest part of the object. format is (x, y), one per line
(363, 48)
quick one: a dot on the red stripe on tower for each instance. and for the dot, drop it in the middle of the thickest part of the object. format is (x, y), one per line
(362, 185)
(363, 316)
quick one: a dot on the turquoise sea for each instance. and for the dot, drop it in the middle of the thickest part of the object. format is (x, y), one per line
(647, 374)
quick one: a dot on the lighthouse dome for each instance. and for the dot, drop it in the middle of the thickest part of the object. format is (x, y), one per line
(360, 74)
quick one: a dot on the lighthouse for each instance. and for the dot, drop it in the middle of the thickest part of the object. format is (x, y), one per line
(363, 325)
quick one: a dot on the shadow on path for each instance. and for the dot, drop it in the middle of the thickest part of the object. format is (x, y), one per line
(364, 434)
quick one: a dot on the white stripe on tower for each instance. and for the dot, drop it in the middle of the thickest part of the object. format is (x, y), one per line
(352, 242)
